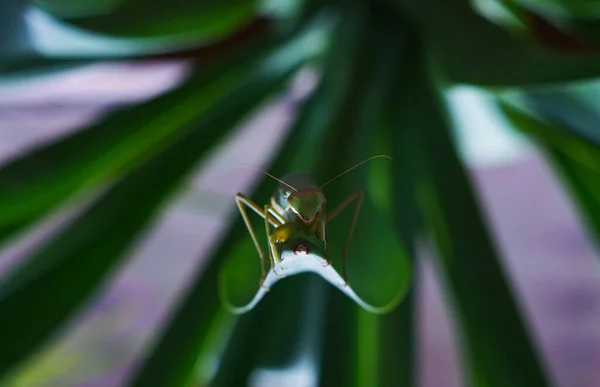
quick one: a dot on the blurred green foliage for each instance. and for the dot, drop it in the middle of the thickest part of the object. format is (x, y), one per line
(383, 68)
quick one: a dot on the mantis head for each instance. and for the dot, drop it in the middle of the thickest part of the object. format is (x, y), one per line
(306, 203)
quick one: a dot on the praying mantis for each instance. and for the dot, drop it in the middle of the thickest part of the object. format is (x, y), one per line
(298, 206)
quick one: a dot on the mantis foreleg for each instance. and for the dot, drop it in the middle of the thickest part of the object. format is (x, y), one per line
(355, 195)
(242, 200)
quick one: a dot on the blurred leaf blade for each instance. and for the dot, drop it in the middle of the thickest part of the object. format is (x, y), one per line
(577, 159)
(357, 352)
(282, 326)
(571, 112)
(77, 8)
(473, 50)
(572, 144)
(398, 136)
(584, 186)
(175, 21)
(105, 230)
(375, 254)
(24, 69)
(499, 349)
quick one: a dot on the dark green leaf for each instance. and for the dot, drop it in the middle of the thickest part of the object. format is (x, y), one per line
(357, 349)
(398, 137)
(26, 68)
(175, 21)
(283, 328)
(576, 158)
(40, 294)
(584, 184)
(340, 341)
(497, 345)
(473, 50)
(77, 8)
(570, 112)
(375, 255)
(571, 143)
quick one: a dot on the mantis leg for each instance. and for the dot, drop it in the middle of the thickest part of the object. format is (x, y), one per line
(358, 195)
(242, 200)
(273, 252)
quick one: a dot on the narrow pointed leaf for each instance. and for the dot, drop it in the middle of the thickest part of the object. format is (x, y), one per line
(24, 69)
(584, 184)
(568, 110)
(572, 144)
(473, 50)
(355, 348)
(77, 8)
(398, 136)
(375, 254)
(499, 349)
(171, 21)
(576, 159)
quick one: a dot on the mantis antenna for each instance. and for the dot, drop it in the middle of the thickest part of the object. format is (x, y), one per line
(271, 176)
(355, 166)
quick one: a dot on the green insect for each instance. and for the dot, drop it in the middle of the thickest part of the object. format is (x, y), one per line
(298, 206)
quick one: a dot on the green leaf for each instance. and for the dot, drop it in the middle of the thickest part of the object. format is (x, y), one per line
(569, 110)
(398, 137)
(584, 186)
(475, 51)
(363, 349)
(375, 255)
(177, 21)
(77, 8)
(43, 292)
(499, 350)
(576, 158)
(571, 144)
(339, 359)
(26, 68)
(37, 182)
(283, 328)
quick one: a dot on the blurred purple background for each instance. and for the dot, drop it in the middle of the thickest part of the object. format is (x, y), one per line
(552, 264)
